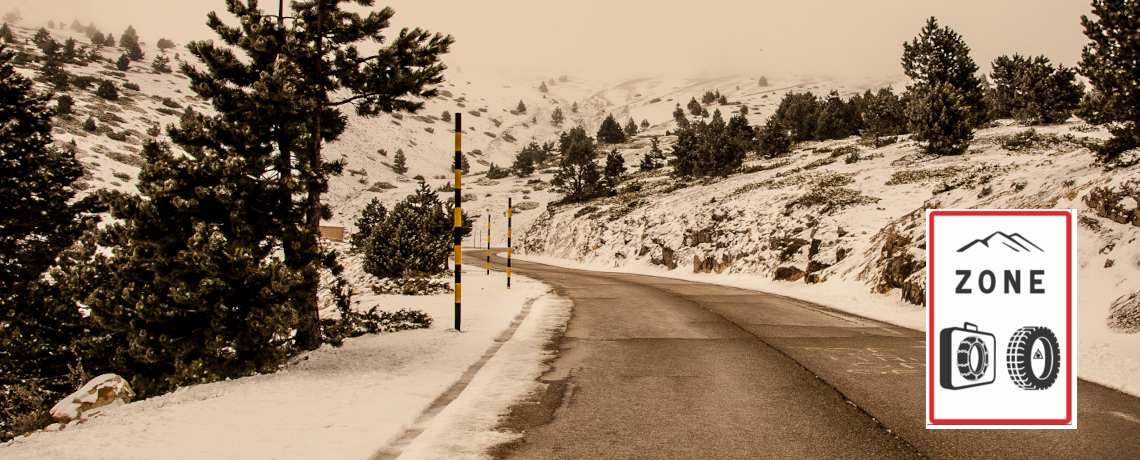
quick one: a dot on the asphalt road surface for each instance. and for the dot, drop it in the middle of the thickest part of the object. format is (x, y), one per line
(652, 367)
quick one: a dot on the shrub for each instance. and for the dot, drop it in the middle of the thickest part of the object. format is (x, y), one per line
(416, 235)
(107, 90)
(63, 104)
(135, 87)
(123, 63)
(171, 103)
(89, 124)
(120, 136)
(153, 131)
(445, 116)
(495, 172)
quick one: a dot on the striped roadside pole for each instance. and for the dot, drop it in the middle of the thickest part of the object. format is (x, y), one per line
(488, 243)
(509, 209)
(458, 216)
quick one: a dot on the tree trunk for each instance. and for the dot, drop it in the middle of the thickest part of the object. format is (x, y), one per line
(309, 327)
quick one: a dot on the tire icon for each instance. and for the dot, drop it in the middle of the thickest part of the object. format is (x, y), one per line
(965, 349)
(1033, 358)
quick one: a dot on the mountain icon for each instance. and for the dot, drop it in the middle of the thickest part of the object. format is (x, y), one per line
(1013, 241)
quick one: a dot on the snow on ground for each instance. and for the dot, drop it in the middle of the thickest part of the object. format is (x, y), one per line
(342, 403)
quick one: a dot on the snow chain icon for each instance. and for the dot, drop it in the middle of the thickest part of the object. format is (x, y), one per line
(1032, 357)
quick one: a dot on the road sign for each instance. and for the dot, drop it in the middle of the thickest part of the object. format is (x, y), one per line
(1001, 326)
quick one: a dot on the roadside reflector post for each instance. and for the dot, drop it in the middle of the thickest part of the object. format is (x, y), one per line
(458, 216)
(488, 243)
(509, 209)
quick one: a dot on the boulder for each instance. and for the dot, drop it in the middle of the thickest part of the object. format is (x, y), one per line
(107, 390)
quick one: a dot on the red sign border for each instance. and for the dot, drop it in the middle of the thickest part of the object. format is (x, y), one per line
(1068, 317)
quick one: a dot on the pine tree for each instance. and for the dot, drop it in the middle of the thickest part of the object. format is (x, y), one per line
(710, 149)
(134, 51)
(1111, 66)
(939, 55)
(799, 113)
(831, 122)
(679, 115)
(51, 24)
(556, 117)
(372, 216)
(304, 112)
(107, 90)
(884, 116)
(110, 40)
(524, 161)
(41, 37)
(521, 107)
(574, 107)
(694, 107)
(76, 26)
(465, 167)
(744, 109)
(165, 44)
(578, 178)
(6, 34)
(610, 132)
(722, 100)
(123, 63)
(97, 39)
(542, 87)
(90, 30)
(52, 70)
(763, 81)
(940, 119)
(399, 162)
(773, 139)
(630, 129)
(1032, 91)
(13, 16)
(939, 63)
(161, 64)
(615, 168)
(63, 104)
(644, 124)
(38, 328)
(129, 37)
(69, 51)
(708, 98)
(495, 172)
(416, 235)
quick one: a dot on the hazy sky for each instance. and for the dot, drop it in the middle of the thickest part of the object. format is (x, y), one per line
(647, 38)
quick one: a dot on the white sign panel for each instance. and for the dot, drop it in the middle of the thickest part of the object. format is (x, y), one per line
(1001, 326)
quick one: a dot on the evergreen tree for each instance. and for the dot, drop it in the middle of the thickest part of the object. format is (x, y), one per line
(939, 63)
(709, 149)
(704, 112)
(107, 90)
(446, 116)
(884, 116)
(1032, 91)
(416, 235)
(13, 16)
(644, 124)
(41, 37)
(52, 70)
(763, 81)
(773, 139)
(1110, 64)
(63, 104)
(6, 34)
(542, 87)
(610, 132)
(51, 24)
(110, 40)
(39, 330)
(694, 107)
(123, 63)
(129, 37)
(165, 44)
(304, 64)
(556, 117)
(649, 160)
(495, 172)
(521, 107)
(832, 122)
(799, 113)
(399, 162)
(679, 116)
(744, 109)
(708, 98)
(939, 55)
(525, 160)
(134, 51)
(464, 167)
(578, 178)
(722, 100)
(76, 26)
(940, 119)
(161, 64)
(615, 168)
(89, 125)
(630, 129)
(97, 39)
(69, 51)
(574, 107)
(372, 216)
(90, 30)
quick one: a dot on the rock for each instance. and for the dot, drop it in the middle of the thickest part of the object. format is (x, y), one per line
(788, 274)
(107, 390)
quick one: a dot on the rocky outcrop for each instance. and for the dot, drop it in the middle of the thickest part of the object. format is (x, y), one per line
(1120, 205)
(104, 391)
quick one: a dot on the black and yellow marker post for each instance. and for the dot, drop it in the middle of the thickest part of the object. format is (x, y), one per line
(458, 215)
(488, 243)
(509, 209)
